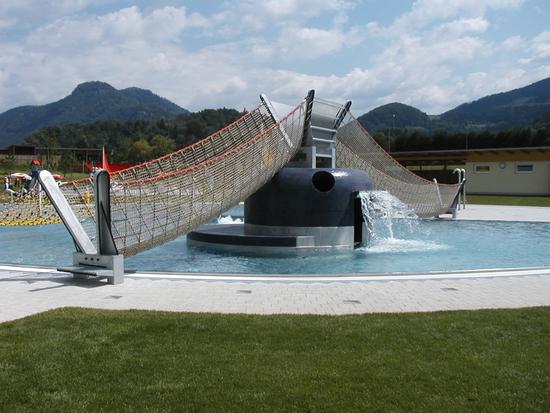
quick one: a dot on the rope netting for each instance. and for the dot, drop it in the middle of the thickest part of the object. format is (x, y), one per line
(160, 200)
(23, 211)
(356, 149)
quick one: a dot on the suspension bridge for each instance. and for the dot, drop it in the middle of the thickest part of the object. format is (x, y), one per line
(159, 200)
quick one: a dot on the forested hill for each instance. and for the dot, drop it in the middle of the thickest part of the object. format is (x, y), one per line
(135, 141)
(518, 108)
(395, 116)
(89, 102)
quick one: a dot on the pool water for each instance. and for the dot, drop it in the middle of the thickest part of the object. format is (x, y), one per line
(427, 245)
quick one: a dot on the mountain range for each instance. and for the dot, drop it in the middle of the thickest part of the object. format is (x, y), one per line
(89, 102)
(518, 108)
(94, 101)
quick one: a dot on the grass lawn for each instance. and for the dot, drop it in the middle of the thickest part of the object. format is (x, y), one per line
(90, 360)
(69, 176)
(542, 201)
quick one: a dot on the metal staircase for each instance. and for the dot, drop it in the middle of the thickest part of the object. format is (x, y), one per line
(322, 122)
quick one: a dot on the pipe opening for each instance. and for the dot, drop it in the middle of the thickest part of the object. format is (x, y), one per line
(323, 181)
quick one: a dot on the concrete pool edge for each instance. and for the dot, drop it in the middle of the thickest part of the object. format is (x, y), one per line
(307, 278)
(26, 292)
(326, 278)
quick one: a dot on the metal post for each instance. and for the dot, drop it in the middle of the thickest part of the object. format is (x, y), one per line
(307, 119)
(458, 171)
(89, 261)
(463, 188)
(105, 242)
(39, 201)
(438, 192)
(342, 114)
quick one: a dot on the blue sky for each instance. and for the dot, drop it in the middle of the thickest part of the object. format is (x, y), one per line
(432, 54)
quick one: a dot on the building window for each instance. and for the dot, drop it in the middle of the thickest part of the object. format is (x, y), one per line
(525, 168)
(482, 169)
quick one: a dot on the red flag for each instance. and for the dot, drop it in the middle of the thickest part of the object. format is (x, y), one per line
(104, 160)
(87, 165)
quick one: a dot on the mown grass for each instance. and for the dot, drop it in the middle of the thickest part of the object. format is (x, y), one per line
(91, 360)
(542, 201)
(69, 176)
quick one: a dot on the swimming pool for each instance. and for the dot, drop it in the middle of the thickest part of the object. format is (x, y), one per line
(427, 245)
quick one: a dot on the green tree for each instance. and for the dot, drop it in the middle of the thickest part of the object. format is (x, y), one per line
(161, 145)
(68, 162)
(8, 164)
(119, 137)
(140, 151)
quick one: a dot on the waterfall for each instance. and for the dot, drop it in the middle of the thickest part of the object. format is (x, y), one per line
(383, 212)
(228, 219)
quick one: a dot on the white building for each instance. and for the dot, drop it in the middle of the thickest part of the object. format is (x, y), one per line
(514, 171)
(498, 171)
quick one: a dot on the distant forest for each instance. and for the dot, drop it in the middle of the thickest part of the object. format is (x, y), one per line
(135, 141)
(403, 140)
(139, 141)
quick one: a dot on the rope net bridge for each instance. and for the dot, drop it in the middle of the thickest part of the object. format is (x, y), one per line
(160, 200)
(356, 149)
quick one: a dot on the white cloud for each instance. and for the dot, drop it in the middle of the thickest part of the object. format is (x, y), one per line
(7, 23)
(126, 47)
(311, 42)
(30, 13)
(261, 49)
(425, 12)
(246, 16)
(512, 43)
(31, 7)
(460, 27)
(299, 7)
(340, 19)
(538, 49)
(434, 56)
(162, 25)
(541, 46)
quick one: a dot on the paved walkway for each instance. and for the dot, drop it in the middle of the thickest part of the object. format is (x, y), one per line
(26, 290)
(505, 213)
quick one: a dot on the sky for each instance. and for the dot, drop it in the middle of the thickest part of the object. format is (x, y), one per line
(431, 54)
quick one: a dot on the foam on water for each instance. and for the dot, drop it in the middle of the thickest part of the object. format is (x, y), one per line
(228, 219)
(396, 245)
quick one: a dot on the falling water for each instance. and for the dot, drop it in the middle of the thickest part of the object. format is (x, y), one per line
(381, 212)
(392, 226)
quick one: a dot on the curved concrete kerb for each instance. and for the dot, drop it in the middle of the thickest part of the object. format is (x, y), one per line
(27, 290)
(308, 278)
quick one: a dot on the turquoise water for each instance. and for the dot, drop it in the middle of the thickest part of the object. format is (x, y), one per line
(431, 245)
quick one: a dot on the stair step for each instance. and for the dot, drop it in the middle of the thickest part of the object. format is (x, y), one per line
(323, 140)
(320, 128)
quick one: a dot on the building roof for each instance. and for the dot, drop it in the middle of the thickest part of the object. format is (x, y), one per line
(537, 153)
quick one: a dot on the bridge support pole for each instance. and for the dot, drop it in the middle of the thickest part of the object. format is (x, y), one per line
(89, 261)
